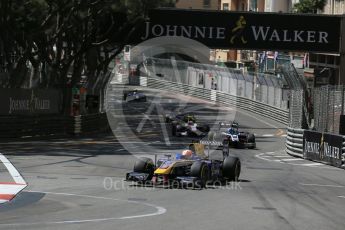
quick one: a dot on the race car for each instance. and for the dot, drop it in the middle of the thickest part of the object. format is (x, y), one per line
(133, 95)
(236, 138)
(189, 169)
(185, 124)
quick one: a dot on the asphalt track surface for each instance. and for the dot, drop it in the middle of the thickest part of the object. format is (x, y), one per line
(78, 183)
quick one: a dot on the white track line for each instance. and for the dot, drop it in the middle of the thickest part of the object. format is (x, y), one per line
(12, 170)
(159, 211)
(269, 156)
(292, 159)
(323, 185)
(313, 164)
(341, 197)
(8, 190)
(267, 135)
(282, 156)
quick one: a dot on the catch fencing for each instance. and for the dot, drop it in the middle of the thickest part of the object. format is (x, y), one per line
(328, 105)
(324, 104)
(265, 88)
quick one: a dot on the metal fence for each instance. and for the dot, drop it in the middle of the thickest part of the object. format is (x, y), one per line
(328, 105)
(296, 109)
(265, 88)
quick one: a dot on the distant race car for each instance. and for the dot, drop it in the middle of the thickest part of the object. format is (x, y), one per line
(191, 169)
(185, 124)
(230, 132)
(134, 95)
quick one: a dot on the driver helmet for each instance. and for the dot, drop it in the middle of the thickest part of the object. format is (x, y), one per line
(187, 154)
(230, 130)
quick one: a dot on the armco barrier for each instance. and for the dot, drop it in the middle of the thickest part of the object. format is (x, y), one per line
(294, 142)
(262, 109)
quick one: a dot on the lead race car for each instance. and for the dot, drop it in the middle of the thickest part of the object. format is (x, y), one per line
(191, 168)
(185, 124)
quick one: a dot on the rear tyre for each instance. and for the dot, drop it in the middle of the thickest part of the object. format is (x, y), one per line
(200, 170)
(204, 128)
(231, 168)
(144, 165)
(125, 96)
(251, 140)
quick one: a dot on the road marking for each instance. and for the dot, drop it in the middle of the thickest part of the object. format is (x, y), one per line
(12, 170)
(323, 185)
(293, 159)
(159, 211)
(341, 197)
(282, 156)
(269, 156)
(313, 164)
(267, 135)
(8, 190)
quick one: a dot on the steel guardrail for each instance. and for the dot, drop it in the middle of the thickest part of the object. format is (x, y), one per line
(274, 113)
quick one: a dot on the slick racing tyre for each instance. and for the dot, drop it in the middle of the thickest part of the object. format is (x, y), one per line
(124, 96)
(204, 128)
(144, 165)
(251, 140)
(200, 170)
(231, 168)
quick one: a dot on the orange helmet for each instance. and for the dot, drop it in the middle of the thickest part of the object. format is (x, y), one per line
(186, 154)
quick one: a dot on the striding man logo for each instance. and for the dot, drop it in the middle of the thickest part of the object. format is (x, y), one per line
(321, 150)
(237, 31)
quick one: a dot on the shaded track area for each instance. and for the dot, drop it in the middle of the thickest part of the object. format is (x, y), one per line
(78, 183)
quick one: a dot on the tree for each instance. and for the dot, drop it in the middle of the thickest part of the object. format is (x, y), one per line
(309, 6)
(49, 43)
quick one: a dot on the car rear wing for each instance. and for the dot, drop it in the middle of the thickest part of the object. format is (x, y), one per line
(226, 124)
(220, 145)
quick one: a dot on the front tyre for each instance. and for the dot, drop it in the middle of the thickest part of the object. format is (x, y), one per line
(201, 171)
(231, 168)
(144, 165)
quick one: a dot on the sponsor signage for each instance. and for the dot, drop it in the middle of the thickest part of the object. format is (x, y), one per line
(29, 101)
(246, 30)
(323, 147)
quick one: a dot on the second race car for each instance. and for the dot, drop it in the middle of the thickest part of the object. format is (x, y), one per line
(236, 138)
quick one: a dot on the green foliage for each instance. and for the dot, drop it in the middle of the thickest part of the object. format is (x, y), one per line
(62, 34)
(309, 6)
